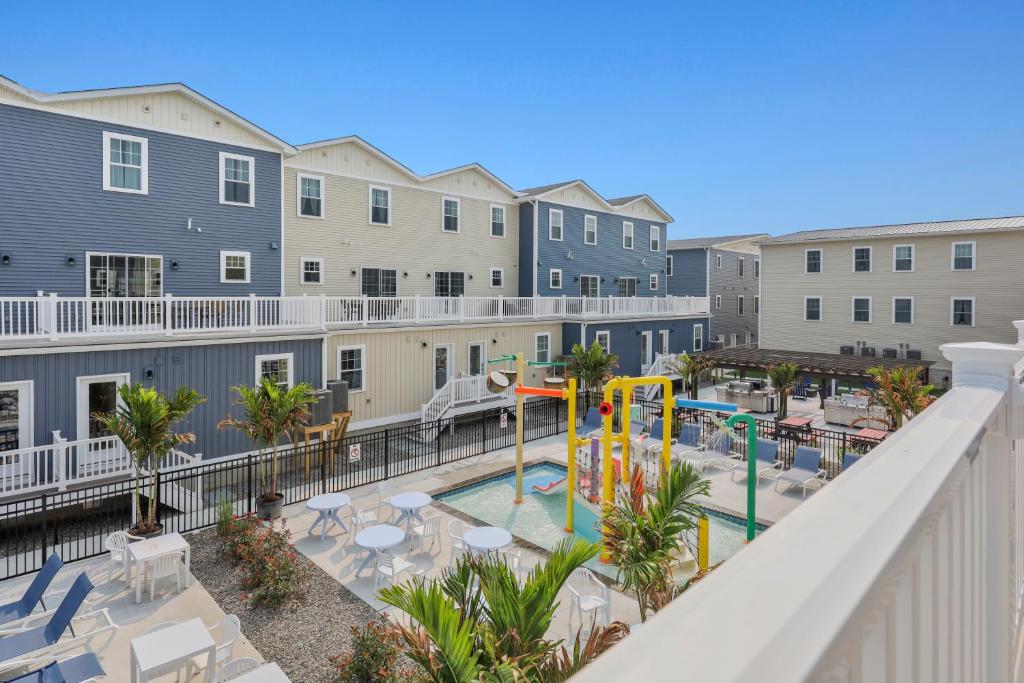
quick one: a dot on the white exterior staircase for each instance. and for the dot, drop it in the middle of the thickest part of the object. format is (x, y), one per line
(458, 396)
(660, 367)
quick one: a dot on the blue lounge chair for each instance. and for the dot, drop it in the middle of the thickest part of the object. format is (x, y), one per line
(19, 609)
(767, 460)
(806, 469)
(75, 670)
(850, 459)
(593, 422)
(689, 434)
(654, 437)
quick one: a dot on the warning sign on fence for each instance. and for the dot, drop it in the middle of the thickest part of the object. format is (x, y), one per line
(503, 423)
(354, 453)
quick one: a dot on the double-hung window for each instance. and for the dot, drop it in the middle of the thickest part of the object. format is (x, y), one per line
(590, 229)
(351, 366)
(449, 283)
(861, 309)
(739, 267)
(718, 302)
(555, 278)
(654, 282)
(497, 221)
(276, 367)
(757, 268)
(555, 224)
(655, 238)
(237, 179)
(590, 286)
(862, 259)
(627, 286)
(812, 308)
(234, 266)
(739, 305)
(627, 235)
(903, 310)
(757, 302)
(698, 337)
(669, 266)
(718, 261)
(962, 311)
(497, 277)
(903, 258)
(311, 196)
(380, 205)
(812, 261)
(963, 256)
(311, 270)
(542, 348)
(125, 163)
(450, 214)
(604, 340)
(379, 282)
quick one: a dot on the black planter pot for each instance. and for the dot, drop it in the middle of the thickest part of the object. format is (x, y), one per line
(151, 534)
(269, 509)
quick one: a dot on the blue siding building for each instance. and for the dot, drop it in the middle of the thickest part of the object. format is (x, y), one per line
(636, 343)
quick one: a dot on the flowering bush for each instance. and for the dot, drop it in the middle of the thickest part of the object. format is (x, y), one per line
(374, 658)
(269, 569)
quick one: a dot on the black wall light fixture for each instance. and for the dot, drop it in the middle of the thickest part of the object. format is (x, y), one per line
(175, 265)
(70, 261)
(353, 273)
(5, 259)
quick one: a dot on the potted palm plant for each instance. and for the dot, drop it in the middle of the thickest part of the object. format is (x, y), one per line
(269, 412)
(143, 421)
(591, 366)
(783, 377)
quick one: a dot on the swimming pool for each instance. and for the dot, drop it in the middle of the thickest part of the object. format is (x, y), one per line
(540, 519)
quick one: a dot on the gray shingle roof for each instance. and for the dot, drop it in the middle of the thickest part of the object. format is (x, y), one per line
(619, 201)
(702, 242)
(968, 225)
(530, 191)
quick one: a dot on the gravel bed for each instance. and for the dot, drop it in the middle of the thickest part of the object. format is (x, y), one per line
(300, 638)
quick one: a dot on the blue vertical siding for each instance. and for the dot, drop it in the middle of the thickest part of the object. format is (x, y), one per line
(210, 369)
(625, 338)
(689, 272)
(527, 259)
(54, 206)
(606, 259)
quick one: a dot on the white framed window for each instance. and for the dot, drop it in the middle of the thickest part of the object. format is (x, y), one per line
(555, 278)
(812, 261)
(663, 342)
(718, 261)
(757, 269)
(604, 340)
(277, 366)
(450, 208)
(476, 354)
(862, 259)
(654, 282)
(378, 282)
(861, 309)
(655, 238)
(590, 286)
(125, 163)
(311, 270)
(123, 276)
(739, 266)
(669, 265)
(718, 302)
(542, 347)
(757, 303)
(961, 311)
(555, 231)
(497, 277)
(627, 235)
(903, 310)
(16, 419)
(234, 266)
(733, 340)
(380, 205)
(739, 305)
(237, 179)
(352, 366)
(698, 337)
(962, 256)
(812, 308)
(449, 283)
(903, 258)
(627, 286)
(309, 195)
(590, 229)
(497, 220)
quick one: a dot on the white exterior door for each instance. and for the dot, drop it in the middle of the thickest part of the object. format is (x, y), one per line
(663, 342)
(646, 352)
(15, 427)
(442, 365)
(97, 394)
(477, 359)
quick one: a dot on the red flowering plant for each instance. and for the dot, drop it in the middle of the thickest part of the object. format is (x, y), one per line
(268, 566)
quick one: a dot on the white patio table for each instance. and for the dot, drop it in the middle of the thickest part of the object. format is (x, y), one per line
(268, 673)
(486, 539)
(377, 538)
(327, 505)
(171, 648)
(148, 549)
(409, 504)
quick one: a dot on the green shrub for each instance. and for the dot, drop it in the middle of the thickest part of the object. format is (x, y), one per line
(374, 657)
(271, 573)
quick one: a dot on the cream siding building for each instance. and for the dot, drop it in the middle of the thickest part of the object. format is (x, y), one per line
(894, 289)
(458, 221)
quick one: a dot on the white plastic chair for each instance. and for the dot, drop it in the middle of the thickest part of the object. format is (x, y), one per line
(431, 528)
(389, 568)
(117, 545)
(225, 633)
(363, 518)
(385, 490)
(514, 559)
(172, 564)
(589, 596)
(456, 531)
(235, 668)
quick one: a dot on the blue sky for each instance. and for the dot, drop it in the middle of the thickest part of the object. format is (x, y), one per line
(736, 116)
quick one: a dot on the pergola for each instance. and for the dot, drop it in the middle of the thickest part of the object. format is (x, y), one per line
(828, 365)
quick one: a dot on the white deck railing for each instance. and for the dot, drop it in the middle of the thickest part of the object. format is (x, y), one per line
(460, 390)
(56, 317)
(909, 567)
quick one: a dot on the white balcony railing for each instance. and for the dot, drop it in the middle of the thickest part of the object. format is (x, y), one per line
(909, 567)
(55, 317)
(458, 390)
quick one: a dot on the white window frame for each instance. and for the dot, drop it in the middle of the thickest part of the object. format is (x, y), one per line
(718, 261)
(504, 221)
(82, 383)
(536, 340)
(398, 273)
(501, 275)
(275, 356)
(698, 337)
(223, 267)
(222, 157)
(628, 233)
(597, 278)
(974, 310)
(26, 411)
(740, 266)
(974, 257)
(853, 258)
(757, 269)
(561, 225)
(369, 205)
(607, 345)
(144, 169)
(821, 261)
(621, 281)
(670, 265)
(589, 219)
(739, 305)
(912, 307)
(90, 254)
(663, 342)
(853, 310)
(551, 284)
(298, 195)
(654, 282)
(718, 302)
(303, 260)
(757, 304)
(655, 238)
(913, 258)
(821, 309)
(483, 358)
(361, 348)
(458, 215)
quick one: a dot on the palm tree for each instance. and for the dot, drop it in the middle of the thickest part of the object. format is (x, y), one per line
(143, 421)
(690, 367)
(783, 377)
(269, 411)
(644, 532)
(901, 392)
(477, 623)
(591, 366)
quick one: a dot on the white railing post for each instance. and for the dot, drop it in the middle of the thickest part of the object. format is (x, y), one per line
(323, 311)
(366, 310)
(416, 308)
(53, 316)
(501, 307)
(253, 315)
(60, 454)
(168, 305)
(460, 304)
(1019, 324)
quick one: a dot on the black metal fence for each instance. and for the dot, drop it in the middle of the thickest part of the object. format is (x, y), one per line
(75, 523)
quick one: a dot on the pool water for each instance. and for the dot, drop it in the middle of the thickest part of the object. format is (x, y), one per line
(540, 519)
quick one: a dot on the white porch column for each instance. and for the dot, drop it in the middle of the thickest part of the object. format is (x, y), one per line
(1019, 324)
